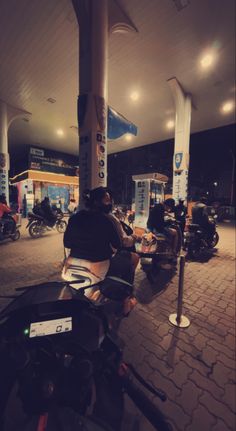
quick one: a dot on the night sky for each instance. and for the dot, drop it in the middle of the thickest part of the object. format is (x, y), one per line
(210, 161)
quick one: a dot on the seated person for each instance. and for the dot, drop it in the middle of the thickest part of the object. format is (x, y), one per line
(128, 239)
(47, 211)
(72, 206)
(37, 210)
(200, 216)
(180, 214)
(94, 241)
(156, 222)
(8, 223)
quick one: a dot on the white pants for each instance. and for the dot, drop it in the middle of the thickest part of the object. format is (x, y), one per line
(92, 272)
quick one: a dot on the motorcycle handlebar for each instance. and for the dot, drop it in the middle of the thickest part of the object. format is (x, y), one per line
(146, 406)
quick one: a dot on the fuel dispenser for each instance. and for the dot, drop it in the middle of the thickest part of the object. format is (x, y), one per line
(149, 189)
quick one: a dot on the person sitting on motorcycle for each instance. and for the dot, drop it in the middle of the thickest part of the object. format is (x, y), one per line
(180, 214)
(94, 241)
(8, 222)
(47, 212)
(156, 222)
(200, 217)
(37, 210)
(72, 206)
(128, 238)
(92, 236)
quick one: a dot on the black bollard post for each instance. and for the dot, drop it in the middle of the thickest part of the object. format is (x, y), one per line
(178, 319)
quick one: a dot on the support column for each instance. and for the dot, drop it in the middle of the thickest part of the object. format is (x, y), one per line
(7, 115)
(92, 102)
(182, 137)
(4, 156)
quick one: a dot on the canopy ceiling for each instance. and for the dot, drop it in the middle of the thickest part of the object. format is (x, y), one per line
(39, 61)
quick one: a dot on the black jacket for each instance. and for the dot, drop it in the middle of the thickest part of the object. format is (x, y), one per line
(90, 235)
(156, 218)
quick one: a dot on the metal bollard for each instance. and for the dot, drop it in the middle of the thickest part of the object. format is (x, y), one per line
(178, 319)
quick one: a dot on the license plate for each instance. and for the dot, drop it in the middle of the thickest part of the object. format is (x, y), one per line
(49, 327)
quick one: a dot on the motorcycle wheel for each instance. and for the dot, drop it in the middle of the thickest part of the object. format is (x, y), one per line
(15, 236)
(215, 240)
(35, 230)
(61, 226)
(193, 251)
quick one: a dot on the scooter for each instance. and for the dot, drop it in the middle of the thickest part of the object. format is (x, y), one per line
(14, 235)
(197, 240)
(156, 252)
(38, 225)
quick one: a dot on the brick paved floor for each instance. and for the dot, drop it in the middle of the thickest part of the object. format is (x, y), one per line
(195, 366)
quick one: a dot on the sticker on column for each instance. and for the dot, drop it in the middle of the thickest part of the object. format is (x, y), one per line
(178, 160)
(101, 111)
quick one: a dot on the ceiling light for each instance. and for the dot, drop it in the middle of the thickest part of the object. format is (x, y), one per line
(134, 96)
(227, 107)
(170, 124)
(60, 132)
(207, 61)
(128, 137)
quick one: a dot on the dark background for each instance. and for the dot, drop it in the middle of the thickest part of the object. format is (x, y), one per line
(211, 161)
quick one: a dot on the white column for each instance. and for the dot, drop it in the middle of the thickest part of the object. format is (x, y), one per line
(182, 137)
(8, 114)
(4, 156)
(92, 102)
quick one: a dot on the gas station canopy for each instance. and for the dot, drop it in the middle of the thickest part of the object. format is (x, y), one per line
(192, 40)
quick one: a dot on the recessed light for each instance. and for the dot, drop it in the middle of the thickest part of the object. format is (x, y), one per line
(60, 132)
(134, 96)
(227, 107)
(170, 124)
(208, 59)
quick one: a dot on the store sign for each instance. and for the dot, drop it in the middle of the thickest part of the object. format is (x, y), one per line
(142, 203)
(52, 161)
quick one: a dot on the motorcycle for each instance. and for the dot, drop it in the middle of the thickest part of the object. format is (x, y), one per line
(14, 235)
(37, 224)
(155, 249)
(197, 240)
(61, 368)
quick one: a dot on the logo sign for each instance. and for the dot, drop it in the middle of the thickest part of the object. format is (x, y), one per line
(178, 160)
(36, 152)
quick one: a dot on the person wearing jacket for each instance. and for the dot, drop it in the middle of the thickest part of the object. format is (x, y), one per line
(8, 223)
(95, 243)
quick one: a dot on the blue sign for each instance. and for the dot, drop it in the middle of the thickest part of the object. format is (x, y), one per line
(178, 160)
(117, 125)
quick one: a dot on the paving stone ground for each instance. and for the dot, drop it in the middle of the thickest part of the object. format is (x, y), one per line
(196, 365)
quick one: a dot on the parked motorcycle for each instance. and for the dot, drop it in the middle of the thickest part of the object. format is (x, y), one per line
(37, 224)
(155, 249)
(60, 367)
(197, 240)
(14, 235)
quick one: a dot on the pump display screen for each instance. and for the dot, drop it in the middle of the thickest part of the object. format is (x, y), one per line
(49, 327)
